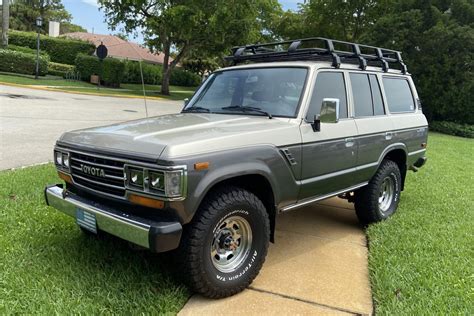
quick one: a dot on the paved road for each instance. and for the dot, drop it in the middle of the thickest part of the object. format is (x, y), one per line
(31, 120)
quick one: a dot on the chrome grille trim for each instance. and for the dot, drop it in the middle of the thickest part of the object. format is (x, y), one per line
(107, 176)
(100, 183)
(96, 164)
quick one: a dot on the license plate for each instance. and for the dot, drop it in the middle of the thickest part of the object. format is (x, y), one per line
(86, 220)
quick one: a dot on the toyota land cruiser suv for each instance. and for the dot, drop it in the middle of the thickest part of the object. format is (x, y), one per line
(296, 122)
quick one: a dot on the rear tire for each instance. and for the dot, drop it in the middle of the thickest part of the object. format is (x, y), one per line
(379, 199)
(225, 246)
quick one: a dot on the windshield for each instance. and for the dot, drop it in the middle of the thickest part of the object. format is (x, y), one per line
(256, 91)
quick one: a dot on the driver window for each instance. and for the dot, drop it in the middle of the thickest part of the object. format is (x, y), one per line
(328, 85)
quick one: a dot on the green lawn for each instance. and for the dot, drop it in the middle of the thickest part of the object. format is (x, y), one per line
(56, 83)
(48, 267)
(422, 260)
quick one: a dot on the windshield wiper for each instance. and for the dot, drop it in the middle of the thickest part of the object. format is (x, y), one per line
(247, 109)
(196, 109)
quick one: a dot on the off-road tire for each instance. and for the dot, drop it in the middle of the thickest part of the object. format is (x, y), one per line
(195, 249)
(366, 200)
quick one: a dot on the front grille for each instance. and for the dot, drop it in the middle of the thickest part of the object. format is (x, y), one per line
(110, 182)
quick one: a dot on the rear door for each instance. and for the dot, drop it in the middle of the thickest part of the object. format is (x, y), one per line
(328, 156)
(373, 124)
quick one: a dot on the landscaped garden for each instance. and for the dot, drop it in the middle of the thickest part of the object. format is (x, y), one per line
(418, 259)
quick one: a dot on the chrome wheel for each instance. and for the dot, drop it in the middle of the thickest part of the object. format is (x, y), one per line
(231, 244)
(386, 193)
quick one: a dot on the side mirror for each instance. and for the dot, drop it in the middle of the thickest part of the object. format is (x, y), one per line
(186, 101)
(329, 110)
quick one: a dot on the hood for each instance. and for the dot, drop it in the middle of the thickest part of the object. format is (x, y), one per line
(182, 134)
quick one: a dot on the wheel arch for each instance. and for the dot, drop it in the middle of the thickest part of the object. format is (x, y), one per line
(398, 154)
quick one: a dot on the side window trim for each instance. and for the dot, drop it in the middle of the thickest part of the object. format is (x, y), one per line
(387, 109)
(313, 86)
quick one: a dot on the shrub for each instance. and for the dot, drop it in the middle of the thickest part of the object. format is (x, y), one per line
(57, 69)
(60, 50)
(151, 73)
(181, 77)
(111, 71)
(22, 63)
(27, 50)
(451, 128)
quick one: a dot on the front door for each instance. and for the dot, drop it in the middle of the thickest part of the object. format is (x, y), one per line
(330, 155)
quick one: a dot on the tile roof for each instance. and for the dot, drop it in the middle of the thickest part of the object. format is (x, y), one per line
(120, 48)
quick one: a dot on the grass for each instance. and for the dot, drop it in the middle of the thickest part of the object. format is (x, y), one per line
(47, 266)
(421, 260)
(59, 84)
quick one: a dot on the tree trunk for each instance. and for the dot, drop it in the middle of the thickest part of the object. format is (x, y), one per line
(165, 79)
(5, 22)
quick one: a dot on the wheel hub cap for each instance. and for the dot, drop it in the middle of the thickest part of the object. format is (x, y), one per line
(231, 244)
(386, 194)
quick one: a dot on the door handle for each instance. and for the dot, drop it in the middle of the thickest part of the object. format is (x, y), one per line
(350, 142)
(388, 135)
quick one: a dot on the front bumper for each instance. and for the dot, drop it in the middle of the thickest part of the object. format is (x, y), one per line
(157, 236)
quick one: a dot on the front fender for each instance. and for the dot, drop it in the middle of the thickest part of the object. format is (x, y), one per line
(264, 160)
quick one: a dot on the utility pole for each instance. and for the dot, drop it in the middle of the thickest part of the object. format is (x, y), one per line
(5, 21)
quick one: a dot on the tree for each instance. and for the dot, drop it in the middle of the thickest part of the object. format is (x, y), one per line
(67, 27)
(5, 22)
(209, 27)
(23, 14)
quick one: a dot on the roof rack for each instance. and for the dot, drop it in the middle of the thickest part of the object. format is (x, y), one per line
(324, 49)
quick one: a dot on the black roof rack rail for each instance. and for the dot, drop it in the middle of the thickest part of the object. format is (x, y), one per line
(325, 48)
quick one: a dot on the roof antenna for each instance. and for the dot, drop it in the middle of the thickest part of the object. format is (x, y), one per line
(143, 86)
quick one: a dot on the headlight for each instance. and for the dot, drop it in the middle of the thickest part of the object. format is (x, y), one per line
(173, 183)
(165, 183)
(61, 160)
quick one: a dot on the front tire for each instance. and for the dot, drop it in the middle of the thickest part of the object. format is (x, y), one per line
(379, 199)
(226, 244)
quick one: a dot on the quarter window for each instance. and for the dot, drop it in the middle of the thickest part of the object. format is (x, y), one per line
(399, 96)
(367, 95)
(328, 85)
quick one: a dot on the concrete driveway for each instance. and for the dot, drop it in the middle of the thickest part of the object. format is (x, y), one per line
(317, 266)
(32, 120)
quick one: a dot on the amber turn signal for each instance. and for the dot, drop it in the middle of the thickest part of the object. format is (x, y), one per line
(145, 201)
(201, 165)
(65, 177)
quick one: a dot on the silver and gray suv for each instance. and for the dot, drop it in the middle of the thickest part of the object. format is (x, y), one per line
(291, 125)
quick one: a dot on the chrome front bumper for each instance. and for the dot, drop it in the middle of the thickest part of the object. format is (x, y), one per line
(157, 236)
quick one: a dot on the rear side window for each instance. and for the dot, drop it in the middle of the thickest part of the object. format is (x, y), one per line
(367, 95)
(398, 93)
(328, 85)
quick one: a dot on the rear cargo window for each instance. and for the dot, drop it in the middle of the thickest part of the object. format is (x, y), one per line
(399, 96)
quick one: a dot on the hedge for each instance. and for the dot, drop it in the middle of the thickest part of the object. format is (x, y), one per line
(57, 69)
(60, 50)
(111, 70)
(27, 50)
(152, 74)
(22, 63)
(181, 77)
(451, 128)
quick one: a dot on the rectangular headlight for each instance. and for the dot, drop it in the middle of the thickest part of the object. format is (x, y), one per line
(173, 183)
(156, 180)
(61, 160)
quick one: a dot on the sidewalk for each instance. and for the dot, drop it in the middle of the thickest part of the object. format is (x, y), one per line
(318, 265)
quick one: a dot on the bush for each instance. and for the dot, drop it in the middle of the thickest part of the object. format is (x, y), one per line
(22, 63)
(451, 128)
(27, 50)
(111, 71)
(57, 69)
(60, 50)
(181, 77)
(151, 73)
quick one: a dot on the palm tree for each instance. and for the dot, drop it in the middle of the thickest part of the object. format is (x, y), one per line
(5, 22)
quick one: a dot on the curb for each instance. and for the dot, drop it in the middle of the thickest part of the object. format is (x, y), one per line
(43, 88)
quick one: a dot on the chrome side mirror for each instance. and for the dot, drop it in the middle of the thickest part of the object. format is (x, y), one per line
(329, 111)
